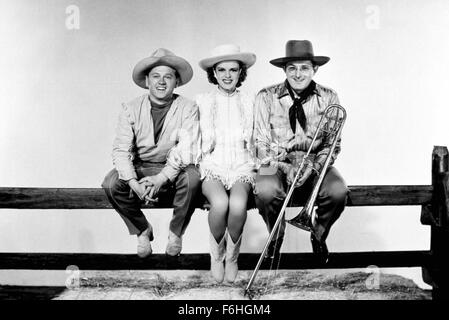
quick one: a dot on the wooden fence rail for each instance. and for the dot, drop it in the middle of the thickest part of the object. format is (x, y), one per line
(434, 200)
(201, 261)
(95, 198)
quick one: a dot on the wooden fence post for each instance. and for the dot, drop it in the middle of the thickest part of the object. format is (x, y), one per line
(436, 215)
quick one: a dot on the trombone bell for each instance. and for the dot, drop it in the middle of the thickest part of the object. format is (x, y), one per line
(302, 221)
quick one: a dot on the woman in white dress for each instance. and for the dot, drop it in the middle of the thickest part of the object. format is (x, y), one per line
(227, 165)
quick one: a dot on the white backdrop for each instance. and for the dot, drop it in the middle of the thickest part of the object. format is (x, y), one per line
(64, 75)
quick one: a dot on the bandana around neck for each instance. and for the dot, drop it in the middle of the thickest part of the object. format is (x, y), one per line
(296, 111)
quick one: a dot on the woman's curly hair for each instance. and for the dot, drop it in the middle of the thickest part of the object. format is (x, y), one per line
(242, 77)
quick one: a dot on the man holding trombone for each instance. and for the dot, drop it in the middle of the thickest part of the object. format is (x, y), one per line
(287, 137)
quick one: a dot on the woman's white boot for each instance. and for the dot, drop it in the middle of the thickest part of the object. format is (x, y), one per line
(232, 254)
(217, 256)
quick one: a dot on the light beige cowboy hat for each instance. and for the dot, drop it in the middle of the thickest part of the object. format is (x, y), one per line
(227, 52)
(162, 57)
(299, 50)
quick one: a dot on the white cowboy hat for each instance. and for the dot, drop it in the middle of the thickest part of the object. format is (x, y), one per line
(227, 52)
(162, 57)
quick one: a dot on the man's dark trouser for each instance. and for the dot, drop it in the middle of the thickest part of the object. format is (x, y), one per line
(181, 193)
(270, 192)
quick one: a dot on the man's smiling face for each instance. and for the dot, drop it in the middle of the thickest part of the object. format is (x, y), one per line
(161, 83)
(299, 74)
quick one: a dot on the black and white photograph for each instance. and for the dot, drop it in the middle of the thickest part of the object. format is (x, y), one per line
(203, 150)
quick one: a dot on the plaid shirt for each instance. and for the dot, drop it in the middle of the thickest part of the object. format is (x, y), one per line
(273, 135)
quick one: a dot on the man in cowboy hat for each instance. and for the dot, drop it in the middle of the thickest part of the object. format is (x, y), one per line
(154, 151)
(286, 118)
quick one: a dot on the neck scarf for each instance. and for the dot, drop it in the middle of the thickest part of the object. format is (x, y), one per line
(296, 111)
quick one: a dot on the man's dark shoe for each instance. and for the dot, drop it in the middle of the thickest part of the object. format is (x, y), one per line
(320, 249)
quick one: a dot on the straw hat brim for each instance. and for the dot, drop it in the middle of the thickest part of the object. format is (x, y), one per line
(318, 60)
(181, 65)
(248, 59)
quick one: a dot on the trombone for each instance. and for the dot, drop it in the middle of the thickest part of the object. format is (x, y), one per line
(331, 124)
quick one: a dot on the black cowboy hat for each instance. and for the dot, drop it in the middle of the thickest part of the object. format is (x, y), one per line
(299, 50)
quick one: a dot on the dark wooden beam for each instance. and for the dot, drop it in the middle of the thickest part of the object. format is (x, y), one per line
(383, 195)
(95, 198)
(200, 261)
